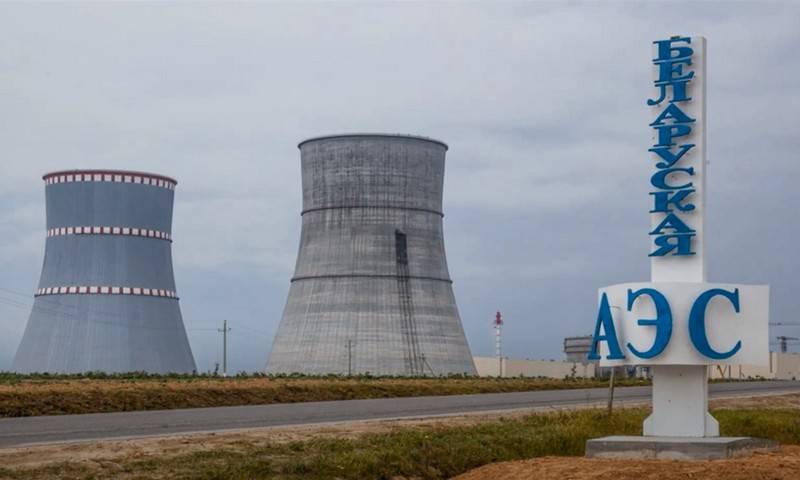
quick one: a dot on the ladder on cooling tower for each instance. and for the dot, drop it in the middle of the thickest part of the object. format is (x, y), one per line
(414, 361)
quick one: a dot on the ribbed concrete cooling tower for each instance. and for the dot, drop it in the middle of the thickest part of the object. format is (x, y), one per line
(106, 299)
(371, 291)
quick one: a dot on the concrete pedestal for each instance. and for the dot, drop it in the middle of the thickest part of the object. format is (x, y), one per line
(676, 448)
(680, 403)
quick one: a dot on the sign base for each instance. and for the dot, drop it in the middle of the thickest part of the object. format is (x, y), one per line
(676, 448)
(680, 403)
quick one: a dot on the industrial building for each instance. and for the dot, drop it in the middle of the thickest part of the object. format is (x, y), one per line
(371, 292)
(782, 366)
(106, 299)
(577, 349)
(519, 367)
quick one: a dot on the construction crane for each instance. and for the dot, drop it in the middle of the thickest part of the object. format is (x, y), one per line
(783, 340)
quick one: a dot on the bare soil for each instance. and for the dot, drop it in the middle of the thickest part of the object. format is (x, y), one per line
(782, 465)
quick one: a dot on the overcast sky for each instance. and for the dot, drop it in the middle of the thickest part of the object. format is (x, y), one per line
(543, 106)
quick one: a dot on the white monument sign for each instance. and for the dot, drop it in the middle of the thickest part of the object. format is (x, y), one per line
(678, 324)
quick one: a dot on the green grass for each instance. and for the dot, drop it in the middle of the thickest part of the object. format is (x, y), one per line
(414, 452)
(95, 392)
(72, 394)
(10, 378)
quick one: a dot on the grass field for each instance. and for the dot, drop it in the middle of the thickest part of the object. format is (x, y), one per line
(423, 452)
(55, 395)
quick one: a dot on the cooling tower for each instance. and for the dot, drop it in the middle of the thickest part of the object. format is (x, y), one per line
(371, 291)
(106, 299)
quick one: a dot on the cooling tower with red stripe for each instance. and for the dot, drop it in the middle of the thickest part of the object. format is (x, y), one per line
(106, 299)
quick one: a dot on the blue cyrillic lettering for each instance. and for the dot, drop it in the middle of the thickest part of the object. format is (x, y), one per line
(667, 133)
(680, 243)
(671, 221)
(697, 323)
(605, 321)
(663, 200)
(659, 179)
(662, 322)
(670, 158)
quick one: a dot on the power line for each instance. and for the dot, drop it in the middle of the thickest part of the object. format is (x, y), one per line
(53, 313)
(253, 330)
(783, 341)
(58, 313)
(57, 306)
(26, 295)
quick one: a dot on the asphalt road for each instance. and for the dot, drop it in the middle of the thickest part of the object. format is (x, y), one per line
(16, 432)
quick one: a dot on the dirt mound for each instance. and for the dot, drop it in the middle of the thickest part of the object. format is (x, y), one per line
(782, 465)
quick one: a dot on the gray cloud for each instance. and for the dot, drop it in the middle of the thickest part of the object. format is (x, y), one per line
(542, 105)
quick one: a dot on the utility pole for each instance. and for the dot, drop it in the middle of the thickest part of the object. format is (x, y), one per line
(498, 323)
(224, 331)
(784, 340)
(611, 391)
(611, 385)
